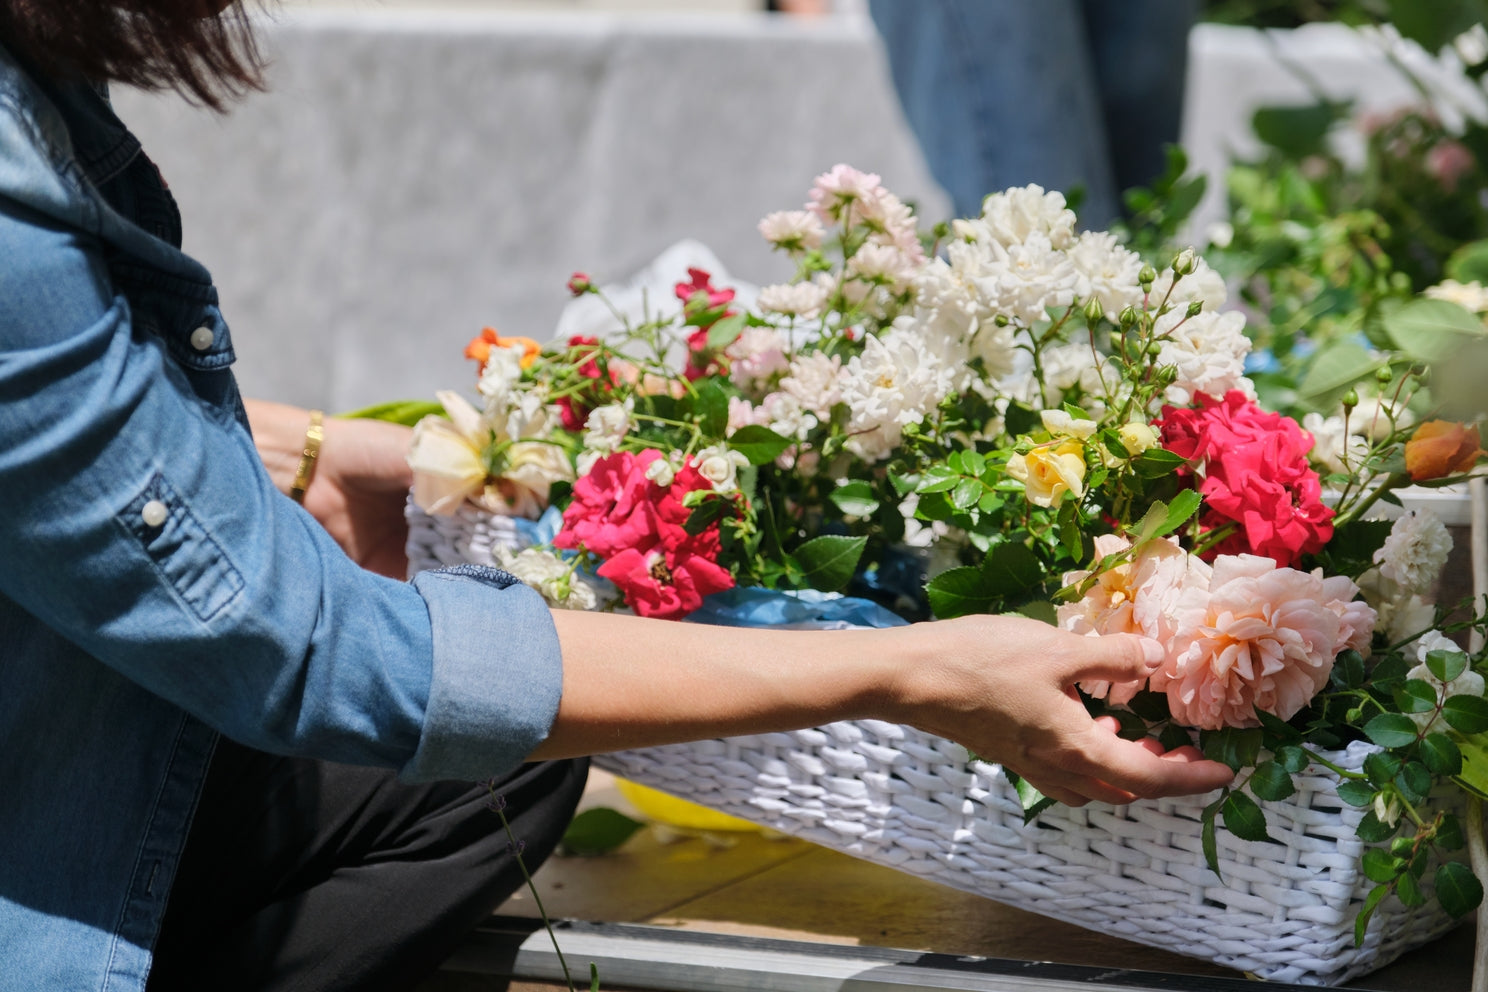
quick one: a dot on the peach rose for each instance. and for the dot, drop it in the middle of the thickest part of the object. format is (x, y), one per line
(1259, 637)
(1134, 597)
(1440, 448)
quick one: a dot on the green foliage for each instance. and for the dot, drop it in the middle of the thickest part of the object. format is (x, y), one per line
(599, 830)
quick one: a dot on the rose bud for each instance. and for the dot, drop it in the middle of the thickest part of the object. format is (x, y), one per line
(1440, 448)
(579, 284)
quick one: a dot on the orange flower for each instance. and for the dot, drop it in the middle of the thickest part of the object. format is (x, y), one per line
(479, 349)
(1440, 448)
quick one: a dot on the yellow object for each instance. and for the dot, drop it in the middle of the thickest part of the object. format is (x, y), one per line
(314, 435)
(679, 813)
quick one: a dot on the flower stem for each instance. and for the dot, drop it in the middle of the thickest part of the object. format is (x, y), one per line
(516, 849)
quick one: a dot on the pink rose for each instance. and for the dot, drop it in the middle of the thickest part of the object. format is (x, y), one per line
(1259, 637)
(614, 506)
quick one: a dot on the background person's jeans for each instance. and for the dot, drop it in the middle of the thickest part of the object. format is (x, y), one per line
(1063, 93)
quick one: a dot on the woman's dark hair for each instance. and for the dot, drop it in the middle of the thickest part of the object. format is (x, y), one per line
(151, 44)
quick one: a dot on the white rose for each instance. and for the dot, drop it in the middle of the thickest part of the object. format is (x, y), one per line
(606, 426)
(720, 465)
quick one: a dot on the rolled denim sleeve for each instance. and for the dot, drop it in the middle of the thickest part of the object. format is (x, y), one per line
(485, 708)
(137, 521)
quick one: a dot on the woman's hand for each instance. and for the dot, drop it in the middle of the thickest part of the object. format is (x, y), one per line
(360, 483)
(1005, 688)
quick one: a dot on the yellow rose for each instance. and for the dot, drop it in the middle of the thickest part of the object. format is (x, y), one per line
(1049, 472)
(1137, 437)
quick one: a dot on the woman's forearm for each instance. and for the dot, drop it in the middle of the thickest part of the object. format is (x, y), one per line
(1001, 686)
(631, 682)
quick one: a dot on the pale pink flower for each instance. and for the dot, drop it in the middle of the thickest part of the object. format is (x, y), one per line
(815, 380)
(792, 230)
(801, 299)
(1259, 637)
(840, 188)
(755, 355)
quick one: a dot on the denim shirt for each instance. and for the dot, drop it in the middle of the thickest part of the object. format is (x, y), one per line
(156, 590)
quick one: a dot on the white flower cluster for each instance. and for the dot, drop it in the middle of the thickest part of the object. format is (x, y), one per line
(563, 586)
(1407, 568)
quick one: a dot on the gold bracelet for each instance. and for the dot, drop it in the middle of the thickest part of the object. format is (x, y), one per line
(314, 434)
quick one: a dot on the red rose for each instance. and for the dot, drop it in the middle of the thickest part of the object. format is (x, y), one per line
(669, 581)
(1252, 470)
(614, 506)
(702, 282)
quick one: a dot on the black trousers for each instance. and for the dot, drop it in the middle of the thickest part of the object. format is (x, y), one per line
(305, 875)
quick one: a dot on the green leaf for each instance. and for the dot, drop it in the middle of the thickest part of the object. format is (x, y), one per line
(1449, 834)
(1372, 829)
(711, 408)
(1244, 819)
(1348, 671)
(1474, 774)
(1391, 730)
(1408, 891)
(1381, 866)
(1433, 24)
(1337, 366)
(760, 444)
(828, 562)
(725, 332)
(1030, 798)
(1154, 463)
(1356, 793)
(1173, 736)
(938, 479)
(1446, 666)
(1414, 781)
(1207, 834)
(967, 493)
(598, 831)
(1469, 263)
(1278, 730)
(1466, 714)
(406, 412)
(1458, 889)
(855, 499)
(1381, 768)
(1041, 610)
(1441, 755)
(1292, 758)
(1371, 903)
(958, 592)
(1150, 706)
(1011, 569)
(1428, 330)
(1415, 696)
(593, 977)
(1271, 782)
(1232, 746)
(1298, 131)
(1182, 506)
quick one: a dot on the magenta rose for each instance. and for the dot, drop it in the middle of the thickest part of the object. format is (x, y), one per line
(1251, 468)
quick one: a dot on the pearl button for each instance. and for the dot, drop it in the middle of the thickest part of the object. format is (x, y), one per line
(202, 338)
(154, 513)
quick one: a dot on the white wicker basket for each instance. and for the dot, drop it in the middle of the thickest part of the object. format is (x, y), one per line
(899, 797)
